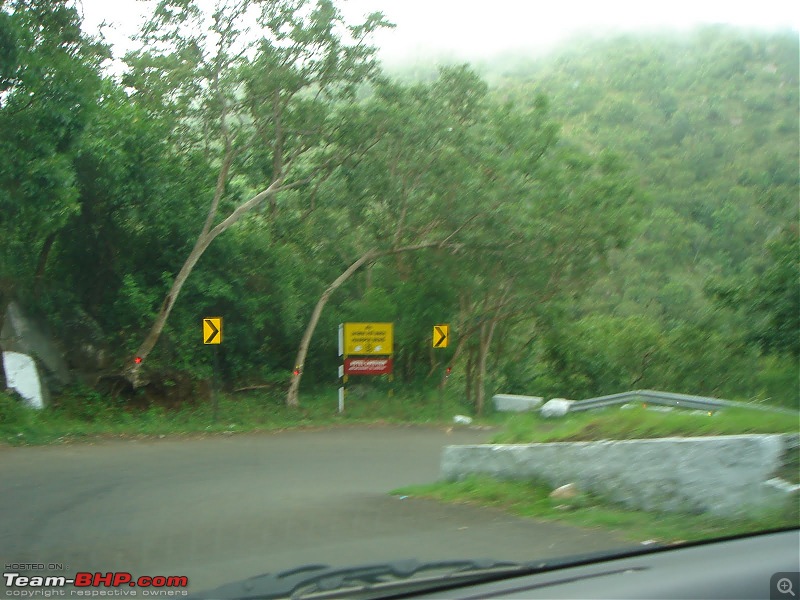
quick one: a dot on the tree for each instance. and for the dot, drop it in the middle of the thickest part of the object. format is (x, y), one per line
(262, 110)
(407, 181)
(49, 82)
(770, 298)
(550, 216)
(775, 297)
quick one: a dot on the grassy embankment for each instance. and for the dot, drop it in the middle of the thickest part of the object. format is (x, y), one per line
(532, 499)
(84, 415)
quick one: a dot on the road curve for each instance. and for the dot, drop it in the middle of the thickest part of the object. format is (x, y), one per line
(224, 508)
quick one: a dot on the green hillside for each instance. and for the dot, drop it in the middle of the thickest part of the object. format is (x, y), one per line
(619, 214)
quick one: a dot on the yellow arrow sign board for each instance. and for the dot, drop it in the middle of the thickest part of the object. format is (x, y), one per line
(441, 335)
(212, 330)
(368, 339)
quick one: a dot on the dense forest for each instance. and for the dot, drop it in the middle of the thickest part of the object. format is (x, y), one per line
(619, 214)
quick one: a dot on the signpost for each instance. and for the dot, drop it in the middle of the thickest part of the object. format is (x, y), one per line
(212, 335)
(441, 335)
(366, 349)
(368, 366)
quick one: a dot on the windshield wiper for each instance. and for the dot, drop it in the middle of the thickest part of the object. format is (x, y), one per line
(397, 578)
(365, 581)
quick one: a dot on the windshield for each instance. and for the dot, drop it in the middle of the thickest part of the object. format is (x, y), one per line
(290, 283)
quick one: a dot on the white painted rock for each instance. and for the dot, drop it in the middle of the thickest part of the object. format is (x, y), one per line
(23, 377)
(557, 407)
(462, 420)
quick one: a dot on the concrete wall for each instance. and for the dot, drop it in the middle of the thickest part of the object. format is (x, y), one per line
(516, 403)
(725, 475)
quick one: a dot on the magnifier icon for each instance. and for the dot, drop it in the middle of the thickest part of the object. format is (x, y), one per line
(784, 586)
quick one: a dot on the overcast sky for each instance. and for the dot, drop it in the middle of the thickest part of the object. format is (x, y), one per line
(483, 27)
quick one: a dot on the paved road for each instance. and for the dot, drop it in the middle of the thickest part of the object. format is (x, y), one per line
(224, 508)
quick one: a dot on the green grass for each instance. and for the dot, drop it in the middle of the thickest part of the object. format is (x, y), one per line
(532, 500)
(640, 423)
(83, 414)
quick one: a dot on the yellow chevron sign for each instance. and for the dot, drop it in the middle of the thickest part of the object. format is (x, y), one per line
(441, 335)
(212, 330)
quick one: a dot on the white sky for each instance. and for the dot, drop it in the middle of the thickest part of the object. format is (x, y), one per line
(470, 29)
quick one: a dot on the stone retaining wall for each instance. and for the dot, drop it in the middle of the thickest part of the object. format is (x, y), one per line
(724, 475)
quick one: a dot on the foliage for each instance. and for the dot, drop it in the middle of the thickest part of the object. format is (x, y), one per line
(584, 227)
(49, 81)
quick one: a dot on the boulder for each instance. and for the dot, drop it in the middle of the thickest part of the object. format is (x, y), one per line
(565, 492)
(557, 407)
(25, 335)
(89, 351)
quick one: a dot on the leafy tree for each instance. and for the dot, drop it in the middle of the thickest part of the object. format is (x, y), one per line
(268, 117)
(408, 179)
(49, 83)
(770, 299)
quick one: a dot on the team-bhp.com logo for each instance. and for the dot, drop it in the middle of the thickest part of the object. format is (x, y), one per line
(115, 579)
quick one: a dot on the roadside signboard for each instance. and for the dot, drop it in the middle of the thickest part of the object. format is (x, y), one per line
(368, 366)
(367, 349)
(368, 339)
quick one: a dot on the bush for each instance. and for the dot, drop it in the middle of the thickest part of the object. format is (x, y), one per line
(13, 410)
(85, 404)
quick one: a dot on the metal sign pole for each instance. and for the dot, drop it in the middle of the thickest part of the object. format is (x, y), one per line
(212, 334)
(341, 388)
(441, 335)
(214, 393)
(342, 376)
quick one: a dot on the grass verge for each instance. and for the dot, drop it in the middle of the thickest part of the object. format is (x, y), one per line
(532, 500)
(638, 422)
(83, 414)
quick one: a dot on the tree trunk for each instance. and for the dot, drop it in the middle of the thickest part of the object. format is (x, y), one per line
(3, 306)
(133, 371)
(459, 349)
(469, 374)
(41, 265)
(486, 335)
(434, 361)
(483, 350)
(292, 398)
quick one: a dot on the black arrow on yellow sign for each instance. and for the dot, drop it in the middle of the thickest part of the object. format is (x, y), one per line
(212, 328)
(440, 333)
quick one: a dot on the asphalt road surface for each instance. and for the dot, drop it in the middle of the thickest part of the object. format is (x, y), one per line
(224, 508)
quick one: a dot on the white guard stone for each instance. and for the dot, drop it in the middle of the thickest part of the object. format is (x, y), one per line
(23, 376)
